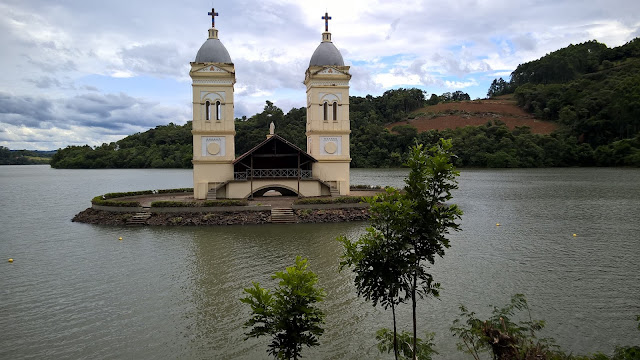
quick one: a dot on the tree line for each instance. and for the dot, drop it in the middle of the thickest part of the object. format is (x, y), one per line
(24, 157)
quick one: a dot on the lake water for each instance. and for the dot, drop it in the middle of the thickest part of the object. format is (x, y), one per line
(75, 292)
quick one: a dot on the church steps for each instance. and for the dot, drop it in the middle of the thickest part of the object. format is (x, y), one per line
(139, 218)
(283, 216)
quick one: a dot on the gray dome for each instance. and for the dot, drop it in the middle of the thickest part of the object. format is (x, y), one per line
(212, 51)
(326, 54)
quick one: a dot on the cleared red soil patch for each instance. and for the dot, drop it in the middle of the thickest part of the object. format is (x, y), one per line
(474, 113)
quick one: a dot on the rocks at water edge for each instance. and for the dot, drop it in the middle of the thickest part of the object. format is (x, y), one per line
(99, 217)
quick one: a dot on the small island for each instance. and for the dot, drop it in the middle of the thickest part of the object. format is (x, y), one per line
(177, 207)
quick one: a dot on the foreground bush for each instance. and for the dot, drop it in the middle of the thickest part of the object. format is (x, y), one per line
(289, 315)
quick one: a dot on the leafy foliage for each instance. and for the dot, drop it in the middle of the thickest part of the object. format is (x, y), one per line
(100, 200)
(288, 314)
(408, 229)
(326, 200)
(207, 203)
(507, 338)
(499, 87)
(425, 348)
(252, 131)
(501, 334)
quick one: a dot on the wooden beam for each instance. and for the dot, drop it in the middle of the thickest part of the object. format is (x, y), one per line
(273, 155)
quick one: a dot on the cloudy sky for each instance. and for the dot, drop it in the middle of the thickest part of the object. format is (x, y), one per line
(87, 72)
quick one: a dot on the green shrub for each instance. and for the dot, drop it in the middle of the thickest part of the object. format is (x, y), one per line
(207, 203)
(325, 200)
(171, 191)
(175, 220)
(214, 203)
(125, 194)
(366, 187)
(100, 200)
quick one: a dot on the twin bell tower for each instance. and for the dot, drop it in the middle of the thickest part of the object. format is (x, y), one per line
(275, 164)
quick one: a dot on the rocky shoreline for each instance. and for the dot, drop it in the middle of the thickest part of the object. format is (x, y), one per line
(100, 217)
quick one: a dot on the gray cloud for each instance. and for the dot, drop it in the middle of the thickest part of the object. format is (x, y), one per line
(392, 29)
(155, 59)
(45, 82)
(25, 110)
(362, 81)
(107, 113)
(269, 75)
(525, 42)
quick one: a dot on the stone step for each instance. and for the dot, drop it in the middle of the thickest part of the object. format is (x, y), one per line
(283, 216)
(335, 192)
(140, 218)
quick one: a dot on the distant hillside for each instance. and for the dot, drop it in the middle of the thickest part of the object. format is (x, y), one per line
(166, 146)
(453, 115)
(24, 157)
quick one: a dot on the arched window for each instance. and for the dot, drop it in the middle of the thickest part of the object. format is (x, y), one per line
(326, 114)
(335, 111)
(207, 110)
(218, 110)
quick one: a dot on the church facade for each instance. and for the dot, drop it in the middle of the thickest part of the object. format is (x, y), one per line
(274, 164)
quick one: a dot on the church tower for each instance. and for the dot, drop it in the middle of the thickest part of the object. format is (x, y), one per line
(213, 77)
(328, 127)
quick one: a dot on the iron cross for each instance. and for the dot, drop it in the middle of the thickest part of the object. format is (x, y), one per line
(326, 19)
(213, 14)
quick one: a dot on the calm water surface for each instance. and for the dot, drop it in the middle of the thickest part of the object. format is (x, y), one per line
(76, 292)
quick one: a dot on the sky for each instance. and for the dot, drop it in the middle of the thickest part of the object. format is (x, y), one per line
(90, 72)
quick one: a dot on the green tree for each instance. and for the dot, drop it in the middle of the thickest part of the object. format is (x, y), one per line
(408, 231)
(377, 256)
(289, 314)
(432, 178)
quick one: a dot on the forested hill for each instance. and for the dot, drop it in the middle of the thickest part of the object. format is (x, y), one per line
(591, 92)
(167, 146)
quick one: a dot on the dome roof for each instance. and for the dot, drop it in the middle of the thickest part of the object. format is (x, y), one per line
(326, 54)
(213, 51)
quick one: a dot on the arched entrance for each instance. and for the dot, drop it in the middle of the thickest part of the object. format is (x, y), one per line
(283, 190)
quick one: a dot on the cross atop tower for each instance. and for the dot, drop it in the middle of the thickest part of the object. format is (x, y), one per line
(326, 19)
(213, 14)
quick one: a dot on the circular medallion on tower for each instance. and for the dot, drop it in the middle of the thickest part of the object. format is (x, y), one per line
(330, 147)
(213, 148)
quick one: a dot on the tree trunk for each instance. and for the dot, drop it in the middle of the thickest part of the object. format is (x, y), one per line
(413, 304)
(395, 337)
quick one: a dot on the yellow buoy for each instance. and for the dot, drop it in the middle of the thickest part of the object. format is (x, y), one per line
(574, 235)
(10, 260)
(498, 224)
(120, 238)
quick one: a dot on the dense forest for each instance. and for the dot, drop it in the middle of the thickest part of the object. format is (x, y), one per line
(591, 91)
(24, 157)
